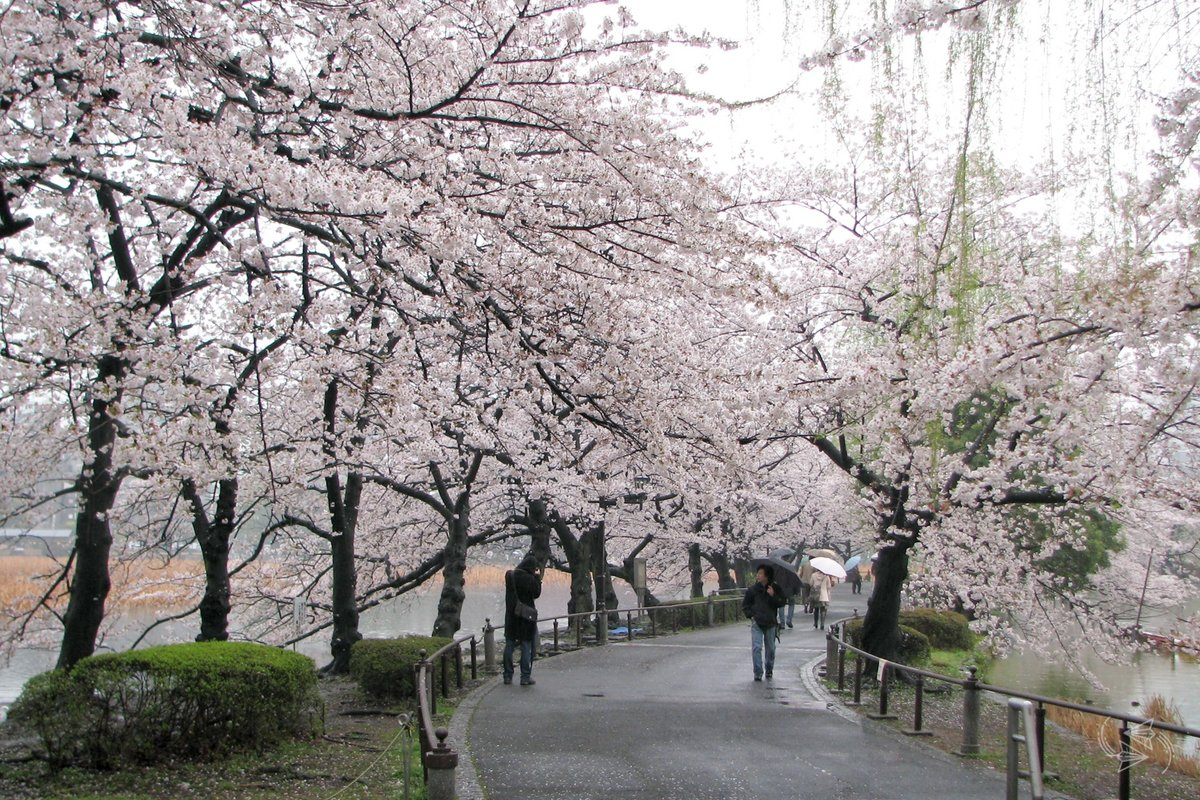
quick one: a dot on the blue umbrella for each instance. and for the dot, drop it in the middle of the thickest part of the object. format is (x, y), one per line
(853, 562)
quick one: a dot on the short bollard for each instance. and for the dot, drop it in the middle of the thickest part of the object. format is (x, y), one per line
(440, 763)
(830, 653)
(489, 646)
(712, 609)
(858, 670)
(556, 635)
(970, 737)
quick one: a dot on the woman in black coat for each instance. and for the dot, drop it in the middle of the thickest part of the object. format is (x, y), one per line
(524, 585)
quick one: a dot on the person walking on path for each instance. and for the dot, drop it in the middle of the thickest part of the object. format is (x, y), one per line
(855, 579)
(760, 605)
(786, 615)
(822, 587)
(522, 586)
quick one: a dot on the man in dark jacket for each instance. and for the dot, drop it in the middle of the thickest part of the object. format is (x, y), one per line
(760, 605)
(523, 584)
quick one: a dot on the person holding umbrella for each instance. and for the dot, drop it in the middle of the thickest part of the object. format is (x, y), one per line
(825, 571)
(760, 605)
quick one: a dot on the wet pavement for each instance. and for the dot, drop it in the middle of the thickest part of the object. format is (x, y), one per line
(681, 717)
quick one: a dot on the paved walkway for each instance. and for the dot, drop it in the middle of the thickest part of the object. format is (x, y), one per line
(681, 717)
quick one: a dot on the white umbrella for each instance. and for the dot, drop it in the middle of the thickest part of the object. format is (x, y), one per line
(828, 566)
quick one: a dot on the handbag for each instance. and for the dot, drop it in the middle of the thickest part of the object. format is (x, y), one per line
(524, 611)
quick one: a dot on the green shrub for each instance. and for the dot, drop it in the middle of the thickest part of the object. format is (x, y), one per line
(913, 649)
(189, 701)
(947, 630)
(384, 667)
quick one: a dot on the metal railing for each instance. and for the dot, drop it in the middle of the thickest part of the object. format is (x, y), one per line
(438, 761)
(665, 617)
(1021, 711)
(835, 654)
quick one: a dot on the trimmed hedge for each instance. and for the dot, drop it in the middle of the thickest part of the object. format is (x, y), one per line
(914, 648)
(189, 701)
(947, 630)
(384, 667)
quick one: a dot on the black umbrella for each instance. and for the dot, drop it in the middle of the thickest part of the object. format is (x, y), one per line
(785, 573)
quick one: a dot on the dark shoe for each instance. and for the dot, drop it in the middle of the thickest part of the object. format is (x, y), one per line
(508, 681)
(758, 677)
(789, 624)
(768, 676)
(528, 681)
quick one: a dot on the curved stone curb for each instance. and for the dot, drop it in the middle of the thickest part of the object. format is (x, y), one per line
(808, 674)
(466, 780)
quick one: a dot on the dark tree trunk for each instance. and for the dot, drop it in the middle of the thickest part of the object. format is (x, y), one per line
(579, 560)
(881, 626)
(720, 564)
(601, 581)
(449, 616)
(741, 570)
(539, 531)
(696, 570)
(343, 512)
(213, 536)
(90, 581)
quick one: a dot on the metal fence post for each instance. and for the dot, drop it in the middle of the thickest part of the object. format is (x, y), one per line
(1126, 763)
(841, 665)
(601, 624)
(918, 709)
(970, 737)
(883, 693)
(440, 764)
(489, 646)
(830, 653)
(857, 680)
(1012, 753)
(712, 609)
(1018, 711)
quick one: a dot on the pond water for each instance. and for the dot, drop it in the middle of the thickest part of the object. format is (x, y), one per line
(414, 613)
(1172, 676)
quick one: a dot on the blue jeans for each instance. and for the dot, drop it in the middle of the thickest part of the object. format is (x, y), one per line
(759, 640)
(788, 613)
(526, 646)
